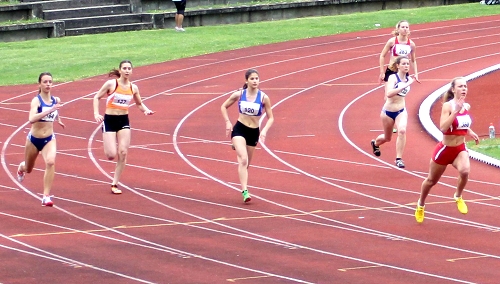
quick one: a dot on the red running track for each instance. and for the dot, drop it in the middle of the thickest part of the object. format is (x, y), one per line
(325, 210)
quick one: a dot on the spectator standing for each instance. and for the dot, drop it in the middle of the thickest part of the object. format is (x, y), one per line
(180, 5)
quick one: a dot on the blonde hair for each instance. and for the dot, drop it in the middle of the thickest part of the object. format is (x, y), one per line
(448, 95)
(395, 32)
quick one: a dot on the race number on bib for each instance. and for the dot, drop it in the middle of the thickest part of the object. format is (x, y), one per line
(464, 122)
(249, 108)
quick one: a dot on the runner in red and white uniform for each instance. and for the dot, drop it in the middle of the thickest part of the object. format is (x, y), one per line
(399, 45)
(455, 124)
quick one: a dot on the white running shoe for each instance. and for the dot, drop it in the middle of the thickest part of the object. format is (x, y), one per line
(47, 202)
(20, 174)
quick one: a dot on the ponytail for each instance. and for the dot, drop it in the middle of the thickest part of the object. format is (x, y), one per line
(395, 32)
(448, 95)
(247, 75)
(116, 72)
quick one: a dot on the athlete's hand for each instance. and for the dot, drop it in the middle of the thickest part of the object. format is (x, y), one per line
(229, 128)
(460, 104)
(98, 118)
(263, 136)
(61, 123)
(381, 78)
(474, 136)
(148, 112)
(57, 106)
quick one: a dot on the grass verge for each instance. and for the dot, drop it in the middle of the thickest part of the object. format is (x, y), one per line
(73, 58)
(489, 147)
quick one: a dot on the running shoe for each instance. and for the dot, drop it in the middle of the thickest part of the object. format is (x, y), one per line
(115, 189)
(462, 207)
(47, 202)
(20, 174)
(376, 149)
(419, 213)
(394, 130)
(400, 164)
(246, 196)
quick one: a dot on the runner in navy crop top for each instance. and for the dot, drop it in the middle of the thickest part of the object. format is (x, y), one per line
(44, 110)
(50, 117)
(252, 108)
(394, 111)
(245, 134)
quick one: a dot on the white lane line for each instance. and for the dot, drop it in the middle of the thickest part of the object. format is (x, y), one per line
(72, 155)
(69, 261)
(188, 214)
(455, 178)
(9, 125)
(8, 187)
(235, 163)
(70, 136)
(301, 135)
(151, 169)
(330, 159)
(174, 136)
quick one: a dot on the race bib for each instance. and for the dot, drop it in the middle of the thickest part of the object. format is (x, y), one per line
(464, 122)
(49, 117)
(404, 91)
(402, 49)
(249, 108)
(121, 100)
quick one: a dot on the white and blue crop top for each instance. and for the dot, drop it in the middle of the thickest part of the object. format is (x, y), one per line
(404, 91)
(250, 108)
(43, 107)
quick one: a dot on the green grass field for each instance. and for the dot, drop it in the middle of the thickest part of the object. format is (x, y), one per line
(73, 58)
(489, 147)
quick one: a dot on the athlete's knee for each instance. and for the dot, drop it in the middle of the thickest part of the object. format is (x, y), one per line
(122, 154)
(464, 172)
(50, 162)
(430, 182)
(402, 131)
(243, 161)
(110, 156)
